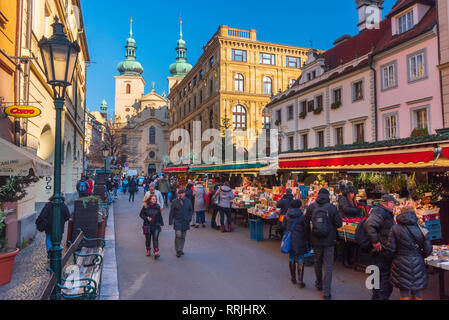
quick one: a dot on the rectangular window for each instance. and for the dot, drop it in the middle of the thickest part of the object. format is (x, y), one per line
(279, 116)
(336, 97)
(320, 139)
(194, 102)
(405, 22)
(420, 118)
(304, 106)
(417, 69)
(388, 76)
(239, 55)
(339, 136)
(267, 58)
(357, 91)
(359, 132)
(310, 106)
(293, 62)
(201, 96)
(291, 143)
(290, 113)
(391, 126)
(304, 141)
(319, 101)
(123, 138)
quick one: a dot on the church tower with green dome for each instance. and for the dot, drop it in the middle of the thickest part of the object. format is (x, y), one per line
(180, 68)
(129, 85)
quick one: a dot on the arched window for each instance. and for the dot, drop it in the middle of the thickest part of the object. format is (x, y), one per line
(267, 85)
(265, 118)
(239, 117)
(152, 135)
(239, 82)
(128, 88)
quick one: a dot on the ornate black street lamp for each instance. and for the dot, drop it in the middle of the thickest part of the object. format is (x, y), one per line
(59, 57)
(105, 155)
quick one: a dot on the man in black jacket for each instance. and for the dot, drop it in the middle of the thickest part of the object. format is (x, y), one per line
(323, 216)
(284, 203)
(181, 212)
(377, 228)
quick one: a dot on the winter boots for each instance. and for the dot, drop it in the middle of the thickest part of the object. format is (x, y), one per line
(229, 228)
(156, 254)
(292, 266)
(148, 252)
(223, 228)
(301, 275)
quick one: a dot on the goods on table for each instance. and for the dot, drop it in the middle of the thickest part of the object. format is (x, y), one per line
(349, 227)
(264, 212)
(439, 257)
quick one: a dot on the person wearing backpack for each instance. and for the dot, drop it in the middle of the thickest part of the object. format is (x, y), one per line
(82, 186)
(294, 222)
(408, 247)
(377, 228)
(322, 221)
(44, 221)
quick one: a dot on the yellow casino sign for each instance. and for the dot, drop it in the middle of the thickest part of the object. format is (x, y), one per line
(22, 111)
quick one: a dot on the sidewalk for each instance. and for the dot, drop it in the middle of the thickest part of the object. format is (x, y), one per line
(30, 271)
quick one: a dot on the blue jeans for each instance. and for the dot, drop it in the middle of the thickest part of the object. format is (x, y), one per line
(115, 192)
(200, 216)
(298, 258)
(48, 243)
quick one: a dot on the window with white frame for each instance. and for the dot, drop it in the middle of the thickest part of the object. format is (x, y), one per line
(320, 139)
(267, 58)
(239, 117)
(239, 82)
(388, 76)
(420, 118)
(291, 143)
(339, 136)
(267, 85)
(357, 91)
(266, 118)
(279, 115)
(290, 113)
(359, 132)
(239, 55)
(391, 126)
(417, 66)
(405, 22)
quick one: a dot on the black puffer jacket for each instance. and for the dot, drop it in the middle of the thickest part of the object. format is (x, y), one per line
(334, 220)
(298, 242)
(378, 225)
(346, 209)
(154, 212)
(284, 203)
(408, 270)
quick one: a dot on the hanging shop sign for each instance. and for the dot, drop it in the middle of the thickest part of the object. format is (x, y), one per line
(22, 111)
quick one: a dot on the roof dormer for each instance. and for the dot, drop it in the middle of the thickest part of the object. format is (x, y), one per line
(406, 14)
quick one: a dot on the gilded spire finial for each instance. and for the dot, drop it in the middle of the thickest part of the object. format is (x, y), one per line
(131, 27)
(180, 26)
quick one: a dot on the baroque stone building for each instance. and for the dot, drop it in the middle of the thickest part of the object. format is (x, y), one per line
(232, 82)
(141, 120)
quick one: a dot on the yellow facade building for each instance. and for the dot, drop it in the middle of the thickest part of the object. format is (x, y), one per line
(232, 81)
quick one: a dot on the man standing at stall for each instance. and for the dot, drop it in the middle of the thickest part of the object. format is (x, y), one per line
(377, 229)
(322, 221)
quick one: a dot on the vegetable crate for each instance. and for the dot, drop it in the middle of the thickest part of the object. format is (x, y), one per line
(434, 235)
(433, 225)
(256, 229)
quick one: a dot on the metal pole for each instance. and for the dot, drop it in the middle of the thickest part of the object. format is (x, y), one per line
(56, 232)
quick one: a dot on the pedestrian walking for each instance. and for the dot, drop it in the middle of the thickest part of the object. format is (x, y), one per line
(181, 212)
(44, 222)
(224, 195)
(153, 190)
(152, 223)
(322, 221)
(377, 229)
(408, 247)
(82, 186)
(132, 183)
(294, 222)
(91, 185)
(164, 188)
(189, 195)
(200, 195)
(125, 184)
(215, 208)
(347, 207)
(115, 188)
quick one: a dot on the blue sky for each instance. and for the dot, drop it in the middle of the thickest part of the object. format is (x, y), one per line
(156, 29)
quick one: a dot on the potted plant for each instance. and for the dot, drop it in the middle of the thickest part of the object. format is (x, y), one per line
(303, 114)
(318, 110)
(12, 189)
(336, 105)
(419, 132)
(277, 123)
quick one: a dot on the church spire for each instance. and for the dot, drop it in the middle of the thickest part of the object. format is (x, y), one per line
(180, 28)
(130, 66)
(131, 27)
(180, 68)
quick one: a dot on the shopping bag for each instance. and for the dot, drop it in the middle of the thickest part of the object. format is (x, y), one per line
(286, 239)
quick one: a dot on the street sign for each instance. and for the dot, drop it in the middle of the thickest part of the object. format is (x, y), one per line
(126, 164)
(22, 111)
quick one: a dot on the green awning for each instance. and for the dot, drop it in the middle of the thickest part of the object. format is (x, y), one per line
(241, 166)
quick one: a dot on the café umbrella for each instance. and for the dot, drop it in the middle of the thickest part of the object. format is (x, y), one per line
(15, 161)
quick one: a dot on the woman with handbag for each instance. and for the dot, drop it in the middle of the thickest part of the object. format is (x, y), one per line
(294, 222)
(152, 223)
(408, 246)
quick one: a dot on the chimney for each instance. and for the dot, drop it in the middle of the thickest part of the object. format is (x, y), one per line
(370, 13)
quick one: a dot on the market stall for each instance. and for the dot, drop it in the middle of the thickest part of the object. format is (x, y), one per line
(440, 261)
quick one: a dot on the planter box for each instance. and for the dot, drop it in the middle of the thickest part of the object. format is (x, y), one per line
(7, 266)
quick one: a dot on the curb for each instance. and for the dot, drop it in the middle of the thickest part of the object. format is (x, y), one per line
(109, 280)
